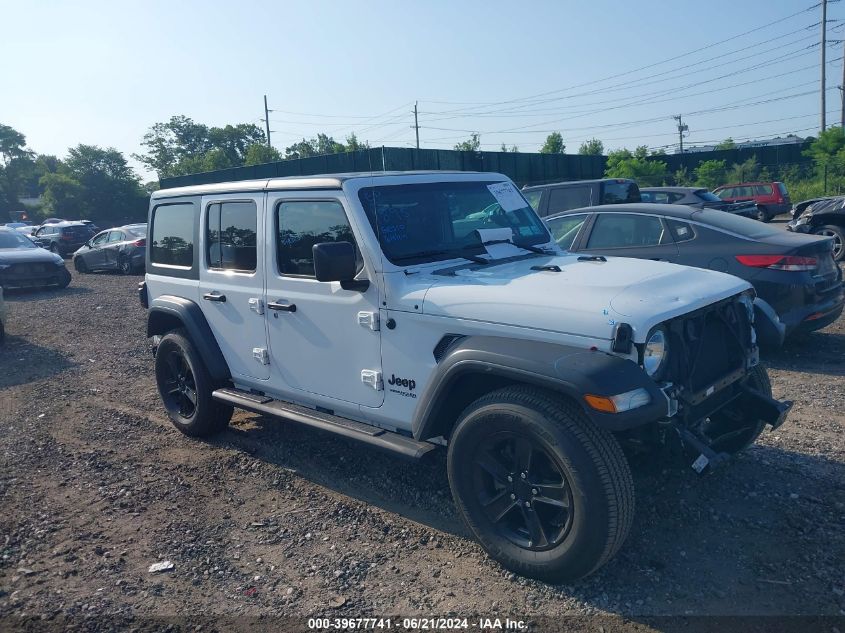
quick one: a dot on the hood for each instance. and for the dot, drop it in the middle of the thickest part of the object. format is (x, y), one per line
(586, 298)
(28, 255)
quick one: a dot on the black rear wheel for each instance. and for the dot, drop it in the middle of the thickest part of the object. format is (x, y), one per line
(837, 234)
(546, 493)
(185, 387)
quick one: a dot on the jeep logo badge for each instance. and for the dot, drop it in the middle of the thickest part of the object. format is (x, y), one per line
(402, 382)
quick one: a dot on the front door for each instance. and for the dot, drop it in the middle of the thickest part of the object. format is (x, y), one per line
(231, 288)
(324, 341)
(96, 257)
(112, 249)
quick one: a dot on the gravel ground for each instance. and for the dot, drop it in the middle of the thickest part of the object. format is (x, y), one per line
(273, 519)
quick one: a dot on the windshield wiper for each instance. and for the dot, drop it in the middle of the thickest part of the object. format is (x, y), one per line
(527, 247)
(473, 258)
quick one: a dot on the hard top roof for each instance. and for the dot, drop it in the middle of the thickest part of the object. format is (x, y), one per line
(317, 181)
(577, 182)
(673, 189)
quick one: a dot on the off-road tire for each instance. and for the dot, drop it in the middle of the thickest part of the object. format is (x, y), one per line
(838, 235)
(208, 416)
(758, 378)
(599, 478)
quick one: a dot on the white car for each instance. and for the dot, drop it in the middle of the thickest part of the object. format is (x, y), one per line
(413, 310)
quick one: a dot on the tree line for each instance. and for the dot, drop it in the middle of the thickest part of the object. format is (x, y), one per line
(98, 183)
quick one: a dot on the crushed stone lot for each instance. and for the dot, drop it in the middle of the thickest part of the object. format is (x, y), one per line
(274, 519)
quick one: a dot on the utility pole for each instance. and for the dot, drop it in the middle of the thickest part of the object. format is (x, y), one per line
(842, 89)
(267, 121)
(416, 124)
(681, 129)
(824, 50)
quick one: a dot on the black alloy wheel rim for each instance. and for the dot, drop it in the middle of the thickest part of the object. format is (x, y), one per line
(125, 267)
(523, 491)
(179, 386)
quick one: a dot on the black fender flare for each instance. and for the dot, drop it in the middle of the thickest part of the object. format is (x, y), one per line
(569, 370)
(167, 310)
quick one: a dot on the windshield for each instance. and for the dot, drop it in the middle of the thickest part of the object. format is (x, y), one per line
(426, 222)
(707, 196)
(13, 239)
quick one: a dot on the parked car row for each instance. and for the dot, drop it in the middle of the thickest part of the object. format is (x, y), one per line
(760, 200)
(798, 284)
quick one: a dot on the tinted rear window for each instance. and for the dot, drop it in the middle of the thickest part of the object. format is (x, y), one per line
(173, 235)
(735, 224)
(782, 188)
(619, 192)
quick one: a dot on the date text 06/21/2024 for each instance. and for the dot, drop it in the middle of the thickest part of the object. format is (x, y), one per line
(417, 624)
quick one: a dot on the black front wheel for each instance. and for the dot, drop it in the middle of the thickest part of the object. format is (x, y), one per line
(80, 265)
(125, 266)
(185, 387)
(547, 493)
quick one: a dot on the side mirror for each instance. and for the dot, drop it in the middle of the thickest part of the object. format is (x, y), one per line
(335, 261)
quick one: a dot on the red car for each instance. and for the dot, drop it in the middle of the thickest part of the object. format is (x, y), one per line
(772, 198)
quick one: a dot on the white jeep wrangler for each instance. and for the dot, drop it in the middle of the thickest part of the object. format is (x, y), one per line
(410, 310)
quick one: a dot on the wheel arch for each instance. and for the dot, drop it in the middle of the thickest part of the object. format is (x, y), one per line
(477, 365)
(167, 313)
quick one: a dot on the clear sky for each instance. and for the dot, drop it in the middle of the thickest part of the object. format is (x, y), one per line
(103, 72)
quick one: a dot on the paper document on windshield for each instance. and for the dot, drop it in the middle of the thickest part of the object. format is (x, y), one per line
(498, 251)
(507, 196)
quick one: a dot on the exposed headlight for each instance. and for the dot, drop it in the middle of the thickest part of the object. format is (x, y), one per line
(804, 219)
(655, 352)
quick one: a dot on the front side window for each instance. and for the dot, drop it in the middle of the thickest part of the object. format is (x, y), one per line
(621, 230)
(564, 229)
(101, 239)
(116, 236)
(426, 222)
(230, 236)
(300, 225)
(533, 198)
(173, 235)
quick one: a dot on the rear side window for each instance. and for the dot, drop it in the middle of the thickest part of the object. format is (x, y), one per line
(230, 236)
(622, 230)
(173, 235)
(619, 192)
(763, 190)
(681, 231)
(566, 198)
(300, 225)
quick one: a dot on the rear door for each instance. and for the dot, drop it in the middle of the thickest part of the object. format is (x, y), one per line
(630, 235)
(231, 280)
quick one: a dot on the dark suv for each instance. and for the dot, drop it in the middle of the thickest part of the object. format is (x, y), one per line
(63, 238)
(562, 196)
(772, 198)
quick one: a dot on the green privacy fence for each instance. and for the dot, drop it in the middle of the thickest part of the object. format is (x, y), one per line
(523, 168)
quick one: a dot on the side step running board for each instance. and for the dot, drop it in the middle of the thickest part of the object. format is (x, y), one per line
(372, 435)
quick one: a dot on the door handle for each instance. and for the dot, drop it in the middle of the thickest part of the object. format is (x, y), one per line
(281, 307)
(214, 296)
